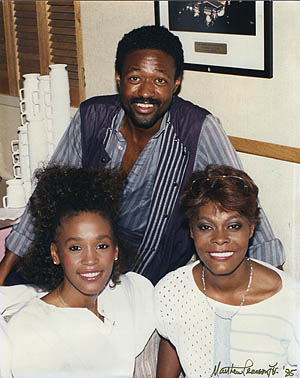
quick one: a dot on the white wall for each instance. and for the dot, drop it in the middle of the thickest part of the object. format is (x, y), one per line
(254, 108)
(104, 23)
(9, 122)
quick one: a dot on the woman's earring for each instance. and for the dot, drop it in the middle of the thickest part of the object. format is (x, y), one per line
(117, 258)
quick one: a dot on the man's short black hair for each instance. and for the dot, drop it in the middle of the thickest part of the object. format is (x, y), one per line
(150, 37)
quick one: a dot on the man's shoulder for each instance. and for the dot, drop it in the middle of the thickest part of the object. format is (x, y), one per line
(187, 119)
(179, 103)
(183, 112)
(108, 100)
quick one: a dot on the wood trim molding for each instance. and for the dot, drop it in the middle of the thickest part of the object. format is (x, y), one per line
(79, 45)
(11, 48)
(269, 150)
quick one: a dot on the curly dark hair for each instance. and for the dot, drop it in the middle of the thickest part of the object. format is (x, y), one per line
(65, 191)
(227, 187)
(150, 37)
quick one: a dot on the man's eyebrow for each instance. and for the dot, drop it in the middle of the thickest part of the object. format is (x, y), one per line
(133, 68)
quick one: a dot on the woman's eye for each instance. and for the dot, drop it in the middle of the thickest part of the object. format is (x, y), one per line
(160, 80)
(75, 248)
(235, 226)
(205, 227)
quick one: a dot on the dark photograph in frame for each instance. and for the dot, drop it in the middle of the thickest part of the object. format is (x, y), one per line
(229, 37)
(229, 17)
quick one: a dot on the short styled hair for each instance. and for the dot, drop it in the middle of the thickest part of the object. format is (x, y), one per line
(227, 187)
(150, 37)
(66, 192)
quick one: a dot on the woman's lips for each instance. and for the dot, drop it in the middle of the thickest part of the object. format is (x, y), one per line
(221, 255)
(90, 276)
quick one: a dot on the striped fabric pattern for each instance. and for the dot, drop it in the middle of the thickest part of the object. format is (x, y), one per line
(171, 167)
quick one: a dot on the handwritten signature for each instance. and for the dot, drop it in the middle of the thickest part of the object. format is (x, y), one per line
(248, 369)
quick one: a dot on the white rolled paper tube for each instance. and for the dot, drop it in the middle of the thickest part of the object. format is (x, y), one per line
(38, 145)
(31, 97)
(24, 153)
(60, 96)
(45, 96)
(46, 108)
(28, 189)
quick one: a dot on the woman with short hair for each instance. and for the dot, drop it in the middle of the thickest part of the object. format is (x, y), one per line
(225, 314)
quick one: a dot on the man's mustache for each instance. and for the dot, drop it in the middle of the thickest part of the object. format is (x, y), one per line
(142, 100)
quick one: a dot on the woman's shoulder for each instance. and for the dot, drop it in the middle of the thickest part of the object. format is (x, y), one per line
(273, 273)
(181, 275)
(271, 280)
(24, 326)
(132, 288)
(14, 298)
(32, 309)
(135, 279)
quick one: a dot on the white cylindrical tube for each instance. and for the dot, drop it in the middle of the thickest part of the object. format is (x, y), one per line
(24, 153)
(38, 145)
(60, 95)
(31, 97)
(28, 189)
(46, 106)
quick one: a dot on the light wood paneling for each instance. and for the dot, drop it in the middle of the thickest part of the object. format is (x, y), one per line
(269, 150)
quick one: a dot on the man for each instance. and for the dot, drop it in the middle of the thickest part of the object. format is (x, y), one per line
(158, 139)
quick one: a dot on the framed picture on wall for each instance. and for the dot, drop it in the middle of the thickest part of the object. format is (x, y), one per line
(229, 37)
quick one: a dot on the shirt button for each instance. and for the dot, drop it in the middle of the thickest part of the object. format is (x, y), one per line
(120, 147)
(175, 183)
(103, 160)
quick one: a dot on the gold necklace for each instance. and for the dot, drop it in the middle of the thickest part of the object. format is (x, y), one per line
(60, 298)
(243, 299)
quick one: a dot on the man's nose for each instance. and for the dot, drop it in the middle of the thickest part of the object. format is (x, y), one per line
(146, 89)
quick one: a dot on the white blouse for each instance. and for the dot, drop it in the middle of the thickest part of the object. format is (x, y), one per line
(260, 339)
(49, 341)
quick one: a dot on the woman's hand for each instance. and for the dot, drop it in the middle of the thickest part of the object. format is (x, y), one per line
(168, 365)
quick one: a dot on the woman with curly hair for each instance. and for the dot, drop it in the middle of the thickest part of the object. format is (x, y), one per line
(225, 314)
(92, 321)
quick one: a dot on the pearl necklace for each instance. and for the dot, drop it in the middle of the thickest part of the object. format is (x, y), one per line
(243, 299)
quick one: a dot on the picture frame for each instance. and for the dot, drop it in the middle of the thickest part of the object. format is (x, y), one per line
(237, 40)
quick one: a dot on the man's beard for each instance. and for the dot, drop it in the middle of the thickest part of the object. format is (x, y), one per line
(140, 121)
